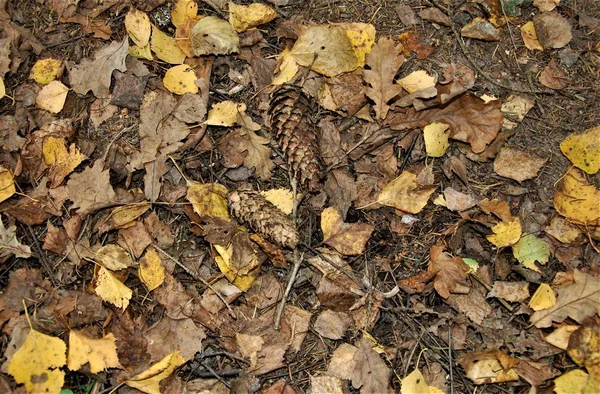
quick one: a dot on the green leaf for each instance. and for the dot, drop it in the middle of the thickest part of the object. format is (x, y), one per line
(530, 249)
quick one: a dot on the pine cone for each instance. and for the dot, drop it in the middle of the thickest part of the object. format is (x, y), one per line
(289, 117)
(252, 209)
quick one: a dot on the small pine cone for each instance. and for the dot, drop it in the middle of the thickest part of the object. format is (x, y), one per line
(252, 209)
(289, 118)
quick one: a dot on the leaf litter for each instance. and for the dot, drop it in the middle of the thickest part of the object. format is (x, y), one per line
(207, 222)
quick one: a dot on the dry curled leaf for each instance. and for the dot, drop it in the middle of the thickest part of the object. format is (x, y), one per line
(346, 238)
(450, 272)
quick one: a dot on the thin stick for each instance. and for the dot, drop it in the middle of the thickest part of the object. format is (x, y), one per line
(450, 359)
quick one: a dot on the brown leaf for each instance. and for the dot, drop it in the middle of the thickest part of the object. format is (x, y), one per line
(481, 29)
(346, 238)
(578, 301)
(416, 283)
(457, 201)
(413, 42)
(553, 77)
(279, 387)
(434, 14)
(332, 325)
(471, 120)
(383, 62)
(24, 284)
(90, 189)
(552, 29)
(584, 346)
(371, 374)
(510, 291)
(341, 189)
(518, 164)
(451, 272)
(174, 335)
(497, 207)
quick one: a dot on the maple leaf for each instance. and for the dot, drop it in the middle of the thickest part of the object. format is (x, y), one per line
(578, 301)
(106, 60)
(451, 272)
(384, 61)
(91, 189)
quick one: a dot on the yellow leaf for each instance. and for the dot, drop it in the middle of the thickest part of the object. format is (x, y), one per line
(543, 298)
(577, 200)
(123, 216)
(209, 199)
(180, 80)
(281, 198)
(52, 97)
(183, 34)
(417, 80)
(152, 270)
(244, 17)
(288, 68)
(224, 261)
(138, 27)
(141, 52)
(583, 150)
(45, 71)
(346, 238)
(405, 193)
(436, 139)
(484, 367)
(2, 88)
(214, 36)
(183, 9)
(576, 382)
(506, 233)
(362, 38)
(530, 38)
(61, 161)
(112, 290)
(7, 184)
(113, 257)
(560, 337)
(148, 381)
(100, 353)
(415, 383)
(225, 113)
(36, 364)
(326, 49)
(165, 47)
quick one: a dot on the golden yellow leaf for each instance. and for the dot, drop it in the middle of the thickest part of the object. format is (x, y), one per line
(244, 17)
(281, 198)
(530, 38)
(436, 139)
(113, 257)
(52, 97)
(2, 88)
(123, 216)
(225, 113)
(183, 34)
(100, 353)
(180, 80)
(224, 261)
(577, 199)
(560, 337)
(506, 233)
(346, 238)
(484, 367)
(111, 289)
(183, 9)
(543, 298)
(152, 270)
(214, 36)
(362, 38)
(415, 383)
(165, 47)
(583, 150)
(45, 71)
(288, 67)
(61, 161)
(36, 364)
(417, 80)
(576, 382)
(7, 184)
(209, 199)
(405, 193)
(138, 27)
(141, 52)
(149, 380)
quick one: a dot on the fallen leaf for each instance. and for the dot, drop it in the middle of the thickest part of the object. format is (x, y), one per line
(10, 245)
(281, 198)
(183, 9)
(244, 17)
(141, 52)
(105, 61)
(563, 231)
(383, 61)
(553, 77)
(510, 291)
(52, 97)
(489, 366)
(111, 289)
(2, 88)
(346, 238)
(60, 160)
(45, 71)
(148, 381)
(416, 81)
(165, 47)
(342, 362)
(457, 201)
(213, 36)
(496, 207)
(480, 29)
(577, 301)
(137, 25)
(258, 153)
(362, 38)
(171, 335)
(561, 335)
(529, 37)
(543, 298)
(123, 216)
(7, 184)
(436, 139)
(238, 261)
(530, 249)
(517, 164)
(405, 193)
(577, 199)
(326, 384)
(180, 80)
(152, 270)
(279, 387)
(287, 68)
(371, 374)
(584, 346)
(546, 5)
(100, 353)
(506, 233)
(332, 325)
(225, 113)
(552, 29)
(583, 149)
(413, 42)
(450, 272)
(576, 382)
(91, 189)
(113, 257)
(415, 383)
(209, 199)
(37, 363)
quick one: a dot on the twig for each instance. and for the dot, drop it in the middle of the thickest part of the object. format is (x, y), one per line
(450, 359)
(215, 374)
(198, 278)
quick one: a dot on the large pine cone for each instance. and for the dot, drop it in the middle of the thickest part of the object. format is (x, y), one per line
(289, 118)
(253, 210)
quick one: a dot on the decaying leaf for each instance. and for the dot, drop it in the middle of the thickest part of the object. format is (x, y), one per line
(450, 272)
(213, 36)
(529, 37)
(9, 243)
(111, 289)
(99, 353)
(244, 17)
(165, 47)
(91, 189)
(45, 71)
(182, 10)
(552, 29)
(583, 149)
(415, 383)
(281, 198)
(52, 97)
(417, 80)
(518, 164)
(577, 199)
(113, 257)
(209, 199)
(7, 184)
(152, 270)
(530, 249)
(371, 374)
(180, 80)
(506, 233)
(576, 381)
(436, 139)
(148, 381)
(138, 27)
(510, 291)
(405, 193)
(346, 238)
(489, 366)
(543, 298)
(60, 160)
